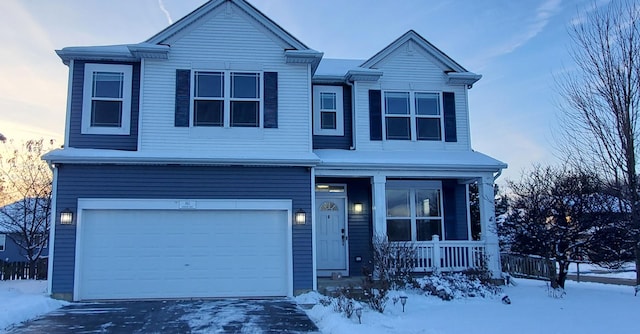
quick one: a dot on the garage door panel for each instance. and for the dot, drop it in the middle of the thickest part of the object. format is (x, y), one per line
(176, 254)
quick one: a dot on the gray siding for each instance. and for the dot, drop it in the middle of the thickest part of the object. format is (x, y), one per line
(114, 142)
(360, 224)
(82, 181)
(455, 210)
(339, 142)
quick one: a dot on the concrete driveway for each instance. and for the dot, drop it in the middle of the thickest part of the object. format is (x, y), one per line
(174, 316)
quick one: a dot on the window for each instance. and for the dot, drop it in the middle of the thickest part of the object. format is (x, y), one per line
(3, 241)
(414, 213)
(236, 104)
(208, 103)
(412, 116)
(328, 113)
(106, 99)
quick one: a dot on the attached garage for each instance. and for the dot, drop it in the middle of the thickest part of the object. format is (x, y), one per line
(142, 249)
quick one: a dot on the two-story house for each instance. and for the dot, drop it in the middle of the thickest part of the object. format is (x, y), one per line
(224, 157)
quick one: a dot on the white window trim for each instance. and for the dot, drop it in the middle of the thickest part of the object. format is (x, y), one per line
(125, 126)
(413, 126)
(3, 242)
(412, 186)
(226, 111)
(317, 128)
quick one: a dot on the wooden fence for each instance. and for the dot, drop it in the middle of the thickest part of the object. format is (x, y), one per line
(20, 270)
(526, 266)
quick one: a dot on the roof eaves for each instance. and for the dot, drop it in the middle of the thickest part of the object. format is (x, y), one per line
(412, 35)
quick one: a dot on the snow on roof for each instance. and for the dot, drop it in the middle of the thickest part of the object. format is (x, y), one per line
(337, 67)
(79, 155)
(441, 160)
(16, 209)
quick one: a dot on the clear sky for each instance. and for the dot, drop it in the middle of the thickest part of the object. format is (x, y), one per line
(518, 47)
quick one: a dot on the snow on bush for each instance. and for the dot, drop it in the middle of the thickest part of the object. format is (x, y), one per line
(448, 286)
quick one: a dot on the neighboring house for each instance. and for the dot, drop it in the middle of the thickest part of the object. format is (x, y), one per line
(10, 234)
(224, 157)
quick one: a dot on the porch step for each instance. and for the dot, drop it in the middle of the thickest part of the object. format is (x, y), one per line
(331, 287)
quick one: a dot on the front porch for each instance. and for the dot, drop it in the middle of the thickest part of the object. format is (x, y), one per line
(450, 229)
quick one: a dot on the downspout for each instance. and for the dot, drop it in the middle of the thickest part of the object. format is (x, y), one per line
(52, 226)
(353, 114)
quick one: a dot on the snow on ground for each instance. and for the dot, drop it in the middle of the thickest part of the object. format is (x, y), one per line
(586, 308)
(23, 300)
(628, 270)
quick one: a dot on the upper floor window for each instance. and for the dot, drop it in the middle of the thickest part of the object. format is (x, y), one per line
(106, 99)
(412, 116)
(3, 241)
(414, 213)
(328, 113)
(227, 99)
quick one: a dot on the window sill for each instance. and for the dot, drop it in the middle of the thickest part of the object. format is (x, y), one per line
(121, 131)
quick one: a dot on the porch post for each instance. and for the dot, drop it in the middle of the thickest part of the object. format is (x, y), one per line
(488, 225)
(379, 205)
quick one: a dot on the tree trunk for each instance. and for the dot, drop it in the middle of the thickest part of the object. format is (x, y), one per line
(563, 271)
(553, 277)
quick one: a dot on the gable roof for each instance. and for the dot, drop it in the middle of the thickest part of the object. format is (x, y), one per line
(411, 35)
(193, 17)
(18, 207)
(157, 47)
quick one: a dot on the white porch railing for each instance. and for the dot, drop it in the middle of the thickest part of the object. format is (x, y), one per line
(448, 255)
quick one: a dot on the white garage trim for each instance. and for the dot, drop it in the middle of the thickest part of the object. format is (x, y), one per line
(179, 205)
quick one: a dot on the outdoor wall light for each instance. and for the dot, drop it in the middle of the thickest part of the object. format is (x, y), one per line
(66, 217)
(357, 207)
(300, 217)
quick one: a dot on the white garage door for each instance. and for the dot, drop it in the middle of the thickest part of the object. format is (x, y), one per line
(181, 254)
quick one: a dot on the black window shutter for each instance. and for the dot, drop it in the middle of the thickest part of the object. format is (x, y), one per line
(449, 106)
(183, 97)
(270, 99)
(375, 115)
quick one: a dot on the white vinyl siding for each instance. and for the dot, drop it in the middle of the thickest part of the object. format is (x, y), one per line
(410, 71)
(222, 38)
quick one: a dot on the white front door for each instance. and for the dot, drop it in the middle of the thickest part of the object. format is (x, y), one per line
(331, 235)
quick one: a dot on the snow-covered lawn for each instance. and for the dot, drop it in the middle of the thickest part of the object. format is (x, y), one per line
(24, 300)
(626, 271)
(586, 308)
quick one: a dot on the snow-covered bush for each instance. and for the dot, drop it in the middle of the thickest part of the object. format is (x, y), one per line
(448, 286)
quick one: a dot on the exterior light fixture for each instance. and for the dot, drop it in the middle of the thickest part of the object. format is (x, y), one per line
(300, 217)
(403, 301)
(66, 217)
(359, 313)
(357, 207)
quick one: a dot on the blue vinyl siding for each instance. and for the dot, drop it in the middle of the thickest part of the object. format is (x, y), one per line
(455, 210)
(360, 224)
(113, 142)
(194, 182)
(339, 142)
(13, 253)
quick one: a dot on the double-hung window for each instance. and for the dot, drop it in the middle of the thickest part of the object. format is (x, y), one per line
(414, 213)
(328, 110)
(227, 99)
(412, 116)
(107, 99)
